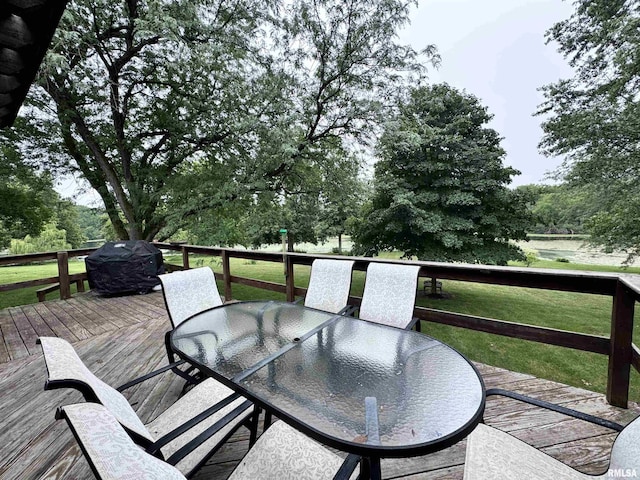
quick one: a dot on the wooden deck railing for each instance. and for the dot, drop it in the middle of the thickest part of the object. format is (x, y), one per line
(624, 290)
(64, 279)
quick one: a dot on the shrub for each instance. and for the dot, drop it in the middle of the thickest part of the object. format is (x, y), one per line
(530, 256)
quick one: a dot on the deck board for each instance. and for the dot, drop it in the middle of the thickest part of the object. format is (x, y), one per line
(58, 328)
(52, 310)
(25, 329)
(123, 337)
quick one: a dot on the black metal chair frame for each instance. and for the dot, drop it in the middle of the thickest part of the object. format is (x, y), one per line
(344, 472)
(556, 408)
(250, 421)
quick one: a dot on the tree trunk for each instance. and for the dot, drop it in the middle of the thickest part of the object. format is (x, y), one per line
(289, 242)
(340, 243)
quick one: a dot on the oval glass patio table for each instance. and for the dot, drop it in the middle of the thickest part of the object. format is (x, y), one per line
(361, 387)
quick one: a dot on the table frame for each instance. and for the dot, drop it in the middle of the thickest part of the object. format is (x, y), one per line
(370, 454)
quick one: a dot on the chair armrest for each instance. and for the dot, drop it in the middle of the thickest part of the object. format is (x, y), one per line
(348, 466)
(213, 429)
(297, 302)
(556, 408)
(348, 311)
(149, 375)
(415, 321)
(175, 433)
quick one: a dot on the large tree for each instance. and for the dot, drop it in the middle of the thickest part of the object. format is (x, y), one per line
(343, 70)
(172, 109)
(440, 189)
(142, 98)
(594, 117)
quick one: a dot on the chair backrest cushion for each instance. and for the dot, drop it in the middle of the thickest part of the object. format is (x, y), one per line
(390, 294)
(110, 451)
(64, 365)
(329, 285)
(625, 454)
(189, 292)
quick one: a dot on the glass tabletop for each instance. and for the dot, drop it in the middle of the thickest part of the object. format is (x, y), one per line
(234, 337)
(361, 387)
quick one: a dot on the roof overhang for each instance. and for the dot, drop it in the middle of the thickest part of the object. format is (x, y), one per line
(26, 30)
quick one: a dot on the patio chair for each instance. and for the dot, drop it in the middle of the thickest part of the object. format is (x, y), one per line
(492, 453)
(281, 452)
(187, 433)
(186, 293)
(390, 295)
(329, 285)
(497, 455)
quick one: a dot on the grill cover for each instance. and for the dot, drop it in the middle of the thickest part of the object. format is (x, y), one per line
(124, 267)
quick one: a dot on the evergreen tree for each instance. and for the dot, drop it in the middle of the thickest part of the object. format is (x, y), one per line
(440, 188)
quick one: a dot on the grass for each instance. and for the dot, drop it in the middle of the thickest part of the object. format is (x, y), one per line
(25, 296)
(562, 310)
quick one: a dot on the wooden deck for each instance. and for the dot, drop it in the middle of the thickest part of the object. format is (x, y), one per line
(121, 338)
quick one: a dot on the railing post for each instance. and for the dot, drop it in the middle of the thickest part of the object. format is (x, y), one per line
(185, 258)
(620, 351)
(288, 274)
(226, 273)
(63, 275)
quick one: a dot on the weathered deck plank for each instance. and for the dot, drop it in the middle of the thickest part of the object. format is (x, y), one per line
(26, 331)
(122, 337)
(51, 310)
(11, 337)
(88, 323)
(58, 328)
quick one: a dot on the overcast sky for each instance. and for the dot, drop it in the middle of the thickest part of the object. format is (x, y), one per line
(495, 50)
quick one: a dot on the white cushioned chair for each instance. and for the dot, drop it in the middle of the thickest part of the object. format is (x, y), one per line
(496, 455)
(187, 293)
(187, 433)
(390, 295)
(280, 453)
(329, 285)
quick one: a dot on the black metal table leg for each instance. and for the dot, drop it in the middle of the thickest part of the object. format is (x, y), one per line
(370, 468)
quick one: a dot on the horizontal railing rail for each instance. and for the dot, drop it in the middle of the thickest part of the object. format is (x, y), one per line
(61, 282)
(624, 289)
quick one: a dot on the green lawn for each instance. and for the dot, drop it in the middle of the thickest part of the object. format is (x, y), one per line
(23, 273)
(564, 310)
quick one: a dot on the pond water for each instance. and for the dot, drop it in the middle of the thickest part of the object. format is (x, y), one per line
(576, 251)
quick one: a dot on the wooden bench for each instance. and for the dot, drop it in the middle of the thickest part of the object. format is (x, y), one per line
(428, 284)
(42, 292)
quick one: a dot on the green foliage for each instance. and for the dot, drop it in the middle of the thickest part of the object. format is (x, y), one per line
(148, 96)
(530, 257)
(440, 186)
(68, 220)
(593, 117)
(90, 221)
(561, 208)
(50, 239)
(24, 195)
(175, 111)
(298, 214)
